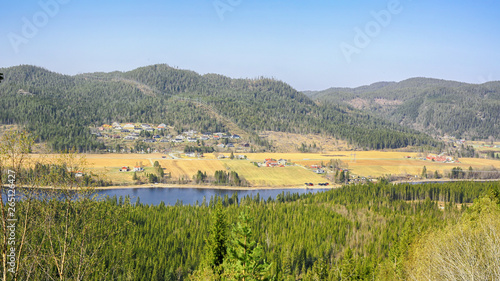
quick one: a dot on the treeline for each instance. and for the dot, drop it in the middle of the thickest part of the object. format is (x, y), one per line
(220, 178)
(198, 149)
(60, 109)
(61, 175)
(358, 232)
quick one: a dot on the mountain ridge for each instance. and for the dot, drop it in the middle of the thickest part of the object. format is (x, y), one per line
(429, 105)
(61, 107)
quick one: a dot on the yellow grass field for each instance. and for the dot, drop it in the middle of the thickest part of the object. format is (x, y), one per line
(277, 176)
(361, 163)
(188, 168)
(342, 155)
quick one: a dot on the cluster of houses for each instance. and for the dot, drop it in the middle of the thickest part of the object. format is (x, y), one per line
(133, 132)
(318, 169)
(452, 140)
(440, 158)
(127, 169)
(269, 162)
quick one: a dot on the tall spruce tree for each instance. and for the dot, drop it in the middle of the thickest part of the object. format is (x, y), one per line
(217, 241)
(245, 257)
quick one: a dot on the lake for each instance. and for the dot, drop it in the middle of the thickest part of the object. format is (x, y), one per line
(170, 196)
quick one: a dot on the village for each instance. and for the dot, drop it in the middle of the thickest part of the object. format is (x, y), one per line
(126, 135)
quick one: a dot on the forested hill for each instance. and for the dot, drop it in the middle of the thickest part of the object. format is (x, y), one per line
(60, 108)
(429, 105)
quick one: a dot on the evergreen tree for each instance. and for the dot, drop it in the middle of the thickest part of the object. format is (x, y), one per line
(347, 268)
(217, 241)
(424, 172)
(245, 260)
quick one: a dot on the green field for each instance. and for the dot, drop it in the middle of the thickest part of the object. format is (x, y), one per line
(278, 176)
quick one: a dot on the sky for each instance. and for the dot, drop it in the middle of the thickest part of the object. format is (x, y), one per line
(311, 45)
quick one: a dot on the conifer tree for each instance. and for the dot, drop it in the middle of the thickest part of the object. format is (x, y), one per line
(424, 172)
(217, 241)
(245, 257)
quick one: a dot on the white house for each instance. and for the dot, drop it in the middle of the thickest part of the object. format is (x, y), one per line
(138, 169)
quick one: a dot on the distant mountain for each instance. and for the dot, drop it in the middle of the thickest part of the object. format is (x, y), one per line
(429, 105)
(60, 108)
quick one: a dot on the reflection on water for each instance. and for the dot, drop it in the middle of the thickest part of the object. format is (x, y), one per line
(170, 196)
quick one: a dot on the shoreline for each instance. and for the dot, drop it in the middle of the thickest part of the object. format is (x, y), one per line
(145, 186)
(190, 186)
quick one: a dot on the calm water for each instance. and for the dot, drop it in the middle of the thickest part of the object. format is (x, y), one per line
(170, 196)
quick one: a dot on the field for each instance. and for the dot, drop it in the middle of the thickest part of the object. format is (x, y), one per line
(188, 168)
(277, 176)
(361, 163)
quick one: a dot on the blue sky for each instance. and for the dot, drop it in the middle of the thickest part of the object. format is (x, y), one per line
(311, 45)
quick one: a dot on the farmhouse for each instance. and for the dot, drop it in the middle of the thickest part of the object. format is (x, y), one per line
(162, 126)
(319, 171)
(439, 158)
(269, 162)
(138, 169)
(125, 169)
